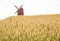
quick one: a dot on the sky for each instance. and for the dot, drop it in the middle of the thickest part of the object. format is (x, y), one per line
(31, 7)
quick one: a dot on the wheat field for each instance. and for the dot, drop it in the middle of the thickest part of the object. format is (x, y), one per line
(30, 28)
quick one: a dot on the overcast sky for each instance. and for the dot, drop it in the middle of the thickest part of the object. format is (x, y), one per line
(31, 7)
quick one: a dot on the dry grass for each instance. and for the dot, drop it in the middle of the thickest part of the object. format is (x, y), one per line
(30, 28)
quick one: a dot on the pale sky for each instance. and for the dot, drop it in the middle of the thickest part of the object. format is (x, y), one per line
(31, 7)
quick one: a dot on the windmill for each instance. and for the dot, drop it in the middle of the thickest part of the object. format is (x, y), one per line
(20, 10)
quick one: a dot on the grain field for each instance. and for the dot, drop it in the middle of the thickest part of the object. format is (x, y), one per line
(30, 28)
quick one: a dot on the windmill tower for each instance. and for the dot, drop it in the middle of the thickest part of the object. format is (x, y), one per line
(19, 7)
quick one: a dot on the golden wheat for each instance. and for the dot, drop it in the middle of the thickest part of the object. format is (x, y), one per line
(30, 28)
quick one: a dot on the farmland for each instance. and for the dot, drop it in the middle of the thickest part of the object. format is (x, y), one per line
(30, 28)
